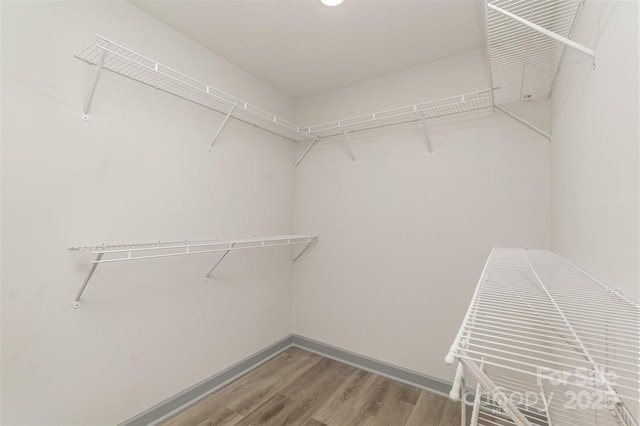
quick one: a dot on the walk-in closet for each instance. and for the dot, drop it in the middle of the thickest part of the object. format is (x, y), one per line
(320, 212)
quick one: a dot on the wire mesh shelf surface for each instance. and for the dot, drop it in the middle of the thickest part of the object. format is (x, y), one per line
(126, 252)
(561, 346)
(128, 63)
(406, 114)
(523, 61)
(123, 252)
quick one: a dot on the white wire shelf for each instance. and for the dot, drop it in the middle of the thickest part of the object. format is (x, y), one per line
(406, 114)
(106, 54)
(135, 66)
(540, 328)
(523, 60)
(127, 252)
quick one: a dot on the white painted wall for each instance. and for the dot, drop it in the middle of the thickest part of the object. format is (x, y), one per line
(594, 154)
(403, 237)
(139, 171)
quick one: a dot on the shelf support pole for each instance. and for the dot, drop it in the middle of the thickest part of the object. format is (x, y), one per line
(545, 31)
(426, 137)
(476, 406)
(546, 404)
(313, 142)
(515, 414)
(525, 122)
(486, 41)
(76, 302)
(348, 142)
(218, 262)
(87, 103)
(303, 250)
(224, 123)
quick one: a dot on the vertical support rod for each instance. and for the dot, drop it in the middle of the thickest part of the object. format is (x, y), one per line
(218, 262)
(426, 136)
(303, 250)
(94, 265)
(564, 50)
(504, 402)
(545, 31)
(87, 103)
(224, 122)
(476, 406)
(348, 142)
(463, 408)
(546, 405)
(486, 40)
(456, 390)
(305, 152)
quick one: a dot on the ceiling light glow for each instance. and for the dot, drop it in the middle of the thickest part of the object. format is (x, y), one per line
(331, 2)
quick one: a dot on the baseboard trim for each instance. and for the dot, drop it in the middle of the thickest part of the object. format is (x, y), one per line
(391, 371)
(200, 390)
(170, 406)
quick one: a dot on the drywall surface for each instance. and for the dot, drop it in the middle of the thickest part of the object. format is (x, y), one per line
(452, 76)
(594, 150)
(138, 171)
(404, 237)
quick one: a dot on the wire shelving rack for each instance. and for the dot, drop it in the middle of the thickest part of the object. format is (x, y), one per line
(114, 57)
(548, 345)
(406, 114)
(106, 54)
(524, 59)
(127, 252)
(526, 40)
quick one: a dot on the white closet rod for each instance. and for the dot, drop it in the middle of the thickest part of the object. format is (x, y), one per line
(545, 31)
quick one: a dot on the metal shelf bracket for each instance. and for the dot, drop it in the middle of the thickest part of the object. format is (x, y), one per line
(313, 142)
(95, 263)
(303, 250)
(348, 142)
(224, 123)
(87, 103)
(426, 137)
(206, 278)
(505, 403)
(525, 122)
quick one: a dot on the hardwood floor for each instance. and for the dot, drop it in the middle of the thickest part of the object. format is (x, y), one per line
(301, 388)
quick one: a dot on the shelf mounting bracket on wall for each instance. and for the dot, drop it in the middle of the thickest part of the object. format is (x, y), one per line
(76, 302)
(348, 142)
(224, 123)
(525, 122)
(313, 142)
(206, 278)
(426, 136)
(304, 249)
(87, 104)
(542, 30)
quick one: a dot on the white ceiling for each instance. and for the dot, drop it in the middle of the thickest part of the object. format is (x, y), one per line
(305, 48)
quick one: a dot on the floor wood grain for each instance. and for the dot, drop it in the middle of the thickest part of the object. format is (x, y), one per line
(298, 387)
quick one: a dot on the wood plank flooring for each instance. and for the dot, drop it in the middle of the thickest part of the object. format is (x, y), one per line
(301, 388)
